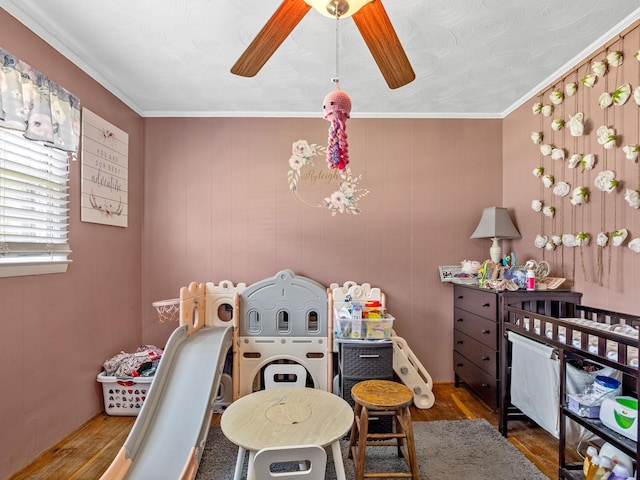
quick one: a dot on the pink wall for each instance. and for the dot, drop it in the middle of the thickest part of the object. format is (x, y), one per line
(617, 287)
(58, 329)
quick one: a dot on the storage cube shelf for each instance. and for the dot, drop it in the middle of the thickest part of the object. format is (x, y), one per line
(124, 396)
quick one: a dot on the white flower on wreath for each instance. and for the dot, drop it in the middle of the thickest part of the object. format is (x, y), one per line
(615, 58)
(636, 95)
(556, 96)
(536, 205)
(562, 189)
(605, 100)
(570, 89)
(619, 236)
(589, 80)
(345, 200)
(556, 238)
(582, 239)
(536, 137)
(606, 137)
(637, 55)
(536, 108)
(538, 171)
(547, 110)
(546, 149)
(635, 245)
(606, 181)
(621, 94)
(579, 196)
(588, 161)
(602, 239)
(550, 245)
(576, 124)
(632, 197)
(549, 211)
(557, 154)
(569, 240)
(631, 151)
(547, 181)
(575, 160)
(599, 68)
(557, 124)
(540, 241)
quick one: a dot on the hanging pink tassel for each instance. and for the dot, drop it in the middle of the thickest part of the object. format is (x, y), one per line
(337, 107)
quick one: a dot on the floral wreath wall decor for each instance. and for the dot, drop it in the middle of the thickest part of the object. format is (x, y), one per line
(342, 200)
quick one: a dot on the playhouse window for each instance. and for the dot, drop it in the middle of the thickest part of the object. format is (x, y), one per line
(283, 321)
(253, 317)
(312, 321)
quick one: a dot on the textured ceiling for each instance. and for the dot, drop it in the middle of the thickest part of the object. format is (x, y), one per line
(472, 58)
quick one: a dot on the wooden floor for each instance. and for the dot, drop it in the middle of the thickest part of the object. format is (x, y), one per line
(86, 453)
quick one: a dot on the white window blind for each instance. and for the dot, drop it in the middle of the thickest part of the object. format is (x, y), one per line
(33, 206)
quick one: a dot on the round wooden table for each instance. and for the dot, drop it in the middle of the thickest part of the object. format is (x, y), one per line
(287, 416)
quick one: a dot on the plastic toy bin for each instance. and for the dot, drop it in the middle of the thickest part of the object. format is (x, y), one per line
(370, 328)
(124, 396)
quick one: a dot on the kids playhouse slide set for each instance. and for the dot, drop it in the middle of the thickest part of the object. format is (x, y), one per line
(286, 318)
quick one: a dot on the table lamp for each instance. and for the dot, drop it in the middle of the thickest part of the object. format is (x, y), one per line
(496, 224)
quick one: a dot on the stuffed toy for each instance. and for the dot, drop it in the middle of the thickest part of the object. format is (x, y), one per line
(337, 107)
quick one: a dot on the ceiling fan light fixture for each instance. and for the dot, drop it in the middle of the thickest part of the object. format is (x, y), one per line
(337, 8)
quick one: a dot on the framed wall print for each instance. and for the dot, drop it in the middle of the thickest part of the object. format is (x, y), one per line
(105, 172)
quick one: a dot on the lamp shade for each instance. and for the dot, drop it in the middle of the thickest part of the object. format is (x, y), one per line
(337, 8)
(495, 223)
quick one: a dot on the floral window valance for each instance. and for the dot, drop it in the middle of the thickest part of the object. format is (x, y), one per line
(32, 103)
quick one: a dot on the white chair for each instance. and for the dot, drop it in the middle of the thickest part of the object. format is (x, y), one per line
(293, 375)
(292, 456)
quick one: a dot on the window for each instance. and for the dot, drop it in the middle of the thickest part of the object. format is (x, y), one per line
(33, 206)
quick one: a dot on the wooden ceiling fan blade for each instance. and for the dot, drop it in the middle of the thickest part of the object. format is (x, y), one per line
(275, 31)
(379, 35)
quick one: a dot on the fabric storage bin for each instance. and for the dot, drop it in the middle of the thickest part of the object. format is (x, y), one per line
(124, 396)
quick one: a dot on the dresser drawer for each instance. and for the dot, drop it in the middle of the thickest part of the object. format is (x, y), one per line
(480, 328)
(366, 361)
(478, 353)
(482, 303)
(483, 384)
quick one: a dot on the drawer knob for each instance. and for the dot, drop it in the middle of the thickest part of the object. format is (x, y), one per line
(459, 319)
(486, 304)
(486, 332)
(460, 297)
(459, 364)
(486, 359)
(485, 385)
(460, 342)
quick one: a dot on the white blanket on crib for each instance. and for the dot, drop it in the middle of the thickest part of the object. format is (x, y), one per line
(612, 346)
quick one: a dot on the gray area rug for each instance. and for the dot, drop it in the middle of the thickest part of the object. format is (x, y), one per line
(460, 449)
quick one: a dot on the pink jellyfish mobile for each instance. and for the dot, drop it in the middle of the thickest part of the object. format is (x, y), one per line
(337, 107)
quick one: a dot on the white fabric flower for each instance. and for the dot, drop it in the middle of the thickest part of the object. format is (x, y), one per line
(562, 189)
(575, 160)
(579, 196)
(546, 149)
(636, 95)
(549, 211)
(550, 245)
(637, 55)
(606, 137)
(599, 68)
(619, 236)
(569, 240)
(602, 239)
(536, 108)
(557, 124)
(536, 205)
(547, 181)
(605, 100)
(557, 154)
(556, 238)
(632, 197)
(615, 59)
(621, 94)
(576, 124)
(570, 89)
(538, 171)
(635, 245)
(631, 151)
(556, 96)
(536, 137)
(582, 239)
(589, 80)
(547, 110)
(606, 181)
(588, 161)
(540, 241)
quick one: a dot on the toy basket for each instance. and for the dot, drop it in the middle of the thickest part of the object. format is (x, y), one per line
(124, 396)
(168, 310)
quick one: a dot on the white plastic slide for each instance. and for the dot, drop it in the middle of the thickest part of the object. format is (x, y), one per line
(412, 373)
(168, 437)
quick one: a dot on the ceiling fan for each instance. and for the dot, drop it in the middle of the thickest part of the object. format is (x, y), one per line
(369, 16)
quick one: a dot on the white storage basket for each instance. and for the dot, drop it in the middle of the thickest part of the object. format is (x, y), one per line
(124, 396)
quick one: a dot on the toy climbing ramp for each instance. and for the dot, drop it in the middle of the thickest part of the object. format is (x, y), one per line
(168, 437)
(412, 373)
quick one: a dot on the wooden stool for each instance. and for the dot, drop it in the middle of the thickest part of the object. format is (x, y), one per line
(382, 398)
